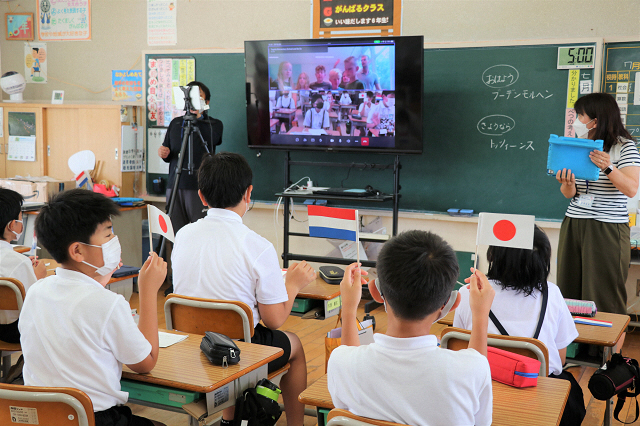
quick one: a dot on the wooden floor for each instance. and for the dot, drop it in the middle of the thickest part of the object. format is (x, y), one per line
(311, 332)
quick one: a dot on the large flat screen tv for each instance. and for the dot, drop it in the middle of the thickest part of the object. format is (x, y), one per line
(346, 94)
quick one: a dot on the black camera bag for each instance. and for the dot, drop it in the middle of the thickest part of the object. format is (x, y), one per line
(617, 377)
(219, 349)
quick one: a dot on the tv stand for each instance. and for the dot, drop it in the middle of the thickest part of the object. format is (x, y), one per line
(380, 198)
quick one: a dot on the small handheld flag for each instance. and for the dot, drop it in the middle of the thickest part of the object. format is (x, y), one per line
(159, 223)
(83, 178)
(506, 230)
(331, 222)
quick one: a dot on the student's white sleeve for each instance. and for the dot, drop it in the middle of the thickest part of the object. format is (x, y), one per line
(370, 115)
(336, 376)
(270, 288)
(485, 399)
(462, 314)
(567, 331)
(122, 335)
(24, 273)
(326, 122)
(307, 119)
(279, 102)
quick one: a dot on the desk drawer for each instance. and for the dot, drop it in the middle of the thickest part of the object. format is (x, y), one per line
(159, 394)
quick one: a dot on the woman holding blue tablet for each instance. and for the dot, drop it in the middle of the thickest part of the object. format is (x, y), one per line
(594, 248)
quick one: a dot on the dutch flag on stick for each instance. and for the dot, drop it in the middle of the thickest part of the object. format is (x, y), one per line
(83, 178)
(159, 223)
(505, 230)
(331, 222)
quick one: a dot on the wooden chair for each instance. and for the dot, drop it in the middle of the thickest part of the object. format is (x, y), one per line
(196, 315)
(457, 338)
(11, 298)
(340, 417)
(45, 405)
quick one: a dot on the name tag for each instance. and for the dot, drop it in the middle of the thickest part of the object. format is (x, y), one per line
(586, 200)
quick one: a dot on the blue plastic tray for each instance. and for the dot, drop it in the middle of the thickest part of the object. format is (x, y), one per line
(573, 154)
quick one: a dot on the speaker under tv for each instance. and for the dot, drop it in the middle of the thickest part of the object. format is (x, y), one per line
(347, 94)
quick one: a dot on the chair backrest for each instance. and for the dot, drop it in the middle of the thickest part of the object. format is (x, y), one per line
(11, 294)
(45, 405)
(457, 338)
(339, 417)
(195, 315)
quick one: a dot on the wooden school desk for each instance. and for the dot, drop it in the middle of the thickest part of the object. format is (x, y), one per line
(328, 293)
(21, 249)
(183, 366)
(607, 337)
(541, 405)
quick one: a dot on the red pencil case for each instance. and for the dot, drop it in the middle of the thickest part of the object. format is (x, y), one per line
(513, 369)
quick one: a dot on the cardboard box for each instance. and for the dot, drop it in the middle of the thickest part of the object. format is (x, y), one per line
(37, 189)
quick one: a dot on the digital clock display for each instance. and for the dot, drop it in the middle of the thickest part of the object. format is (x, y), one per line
(575, 57)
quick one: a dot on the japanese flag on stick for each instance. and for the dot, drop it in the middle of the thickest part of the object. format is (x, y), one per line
(331, 222)
(159, 223)
(506, 230)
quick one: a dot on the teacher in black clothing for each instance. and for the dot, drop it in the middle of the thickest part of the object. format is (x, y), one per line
(188, 207)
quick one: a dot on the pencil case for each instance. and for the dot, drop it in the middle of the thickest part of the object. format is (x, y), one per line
(573, 154)
(219, 349)
(513, 369)
(585, 308)
(331, 274)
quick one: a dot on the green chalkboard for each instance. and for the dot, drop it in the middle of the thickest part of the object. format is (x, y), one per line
(621, 70)
(488, 113)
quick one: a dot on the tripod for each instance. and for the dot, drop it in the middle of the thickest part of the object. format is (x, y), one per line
(189, 131)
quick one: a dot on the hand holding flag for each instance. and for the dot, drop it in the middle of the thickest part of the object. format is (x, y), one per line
(159, 223)
(331, 222)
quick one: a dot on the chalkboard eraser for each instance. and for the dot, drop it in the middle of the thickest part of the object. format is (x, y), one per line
(309, 202)
(466, 212)
(321, 202)
(453, 212)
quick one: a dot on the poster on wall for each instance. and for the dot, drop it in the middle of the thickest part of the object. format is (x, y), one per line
(35, 62)
(60, 20)
(161, 23)
(126, 85)
(355, 13)
(164, 74)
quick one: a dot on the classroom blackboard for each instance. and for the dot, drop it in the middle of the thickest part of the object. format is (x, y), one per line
(488, 114)
(620, 74)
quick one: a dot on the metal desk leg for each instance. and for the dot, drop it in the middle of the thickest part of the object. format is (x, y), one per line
(606, 354)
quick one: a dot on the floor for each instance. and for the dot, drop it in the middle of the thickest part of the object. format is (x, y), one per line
(311, 333)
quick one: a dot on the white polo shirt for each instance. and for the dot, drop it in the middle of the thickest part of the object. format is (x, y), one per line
(218, 257)
(18, 266)
(519, 315)
(76, 333)
(411, 381)
(317, 120)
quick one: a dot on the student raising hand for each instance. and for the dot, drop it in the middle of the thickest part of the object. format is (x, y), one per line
(351, 288)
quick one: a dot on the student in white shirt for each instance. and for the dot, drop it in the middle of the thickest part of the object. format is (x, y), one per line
(286, 101)
(382, 115)
(366, 106)
(519, 277)
(13, 264)
(218, 257)
(317, 117)
(74, 332)
(345, 99)
(404, 377)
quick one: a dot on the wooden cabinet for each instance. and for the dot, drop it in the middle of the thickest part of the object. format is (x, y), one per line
(61, 131)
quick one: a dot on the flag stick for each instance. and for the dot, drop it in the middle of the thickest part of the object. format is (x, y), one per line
(357, 240)
(475, 260)
(149, 215)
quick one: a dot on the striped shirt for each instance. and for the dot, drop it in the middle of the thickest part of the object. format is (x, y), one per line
(609, 204)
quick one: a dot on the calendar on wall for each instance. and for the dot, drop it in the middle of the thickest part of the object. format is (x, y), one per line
(22, 148)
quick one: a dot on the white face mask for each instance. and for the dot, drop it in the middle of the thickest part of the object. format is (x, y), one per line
(18, 235)
(449, 305)
(391, 102)
(581, 129)
(111, 253)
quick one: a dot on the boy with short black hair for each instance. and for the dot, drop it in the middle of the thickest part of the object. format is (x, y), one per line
(404, 377)
(219, 257)
(13, 264)
(74, 332)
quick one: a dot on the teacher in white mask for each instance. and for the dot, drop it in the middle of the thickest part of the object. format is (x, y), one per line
(594, 250)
